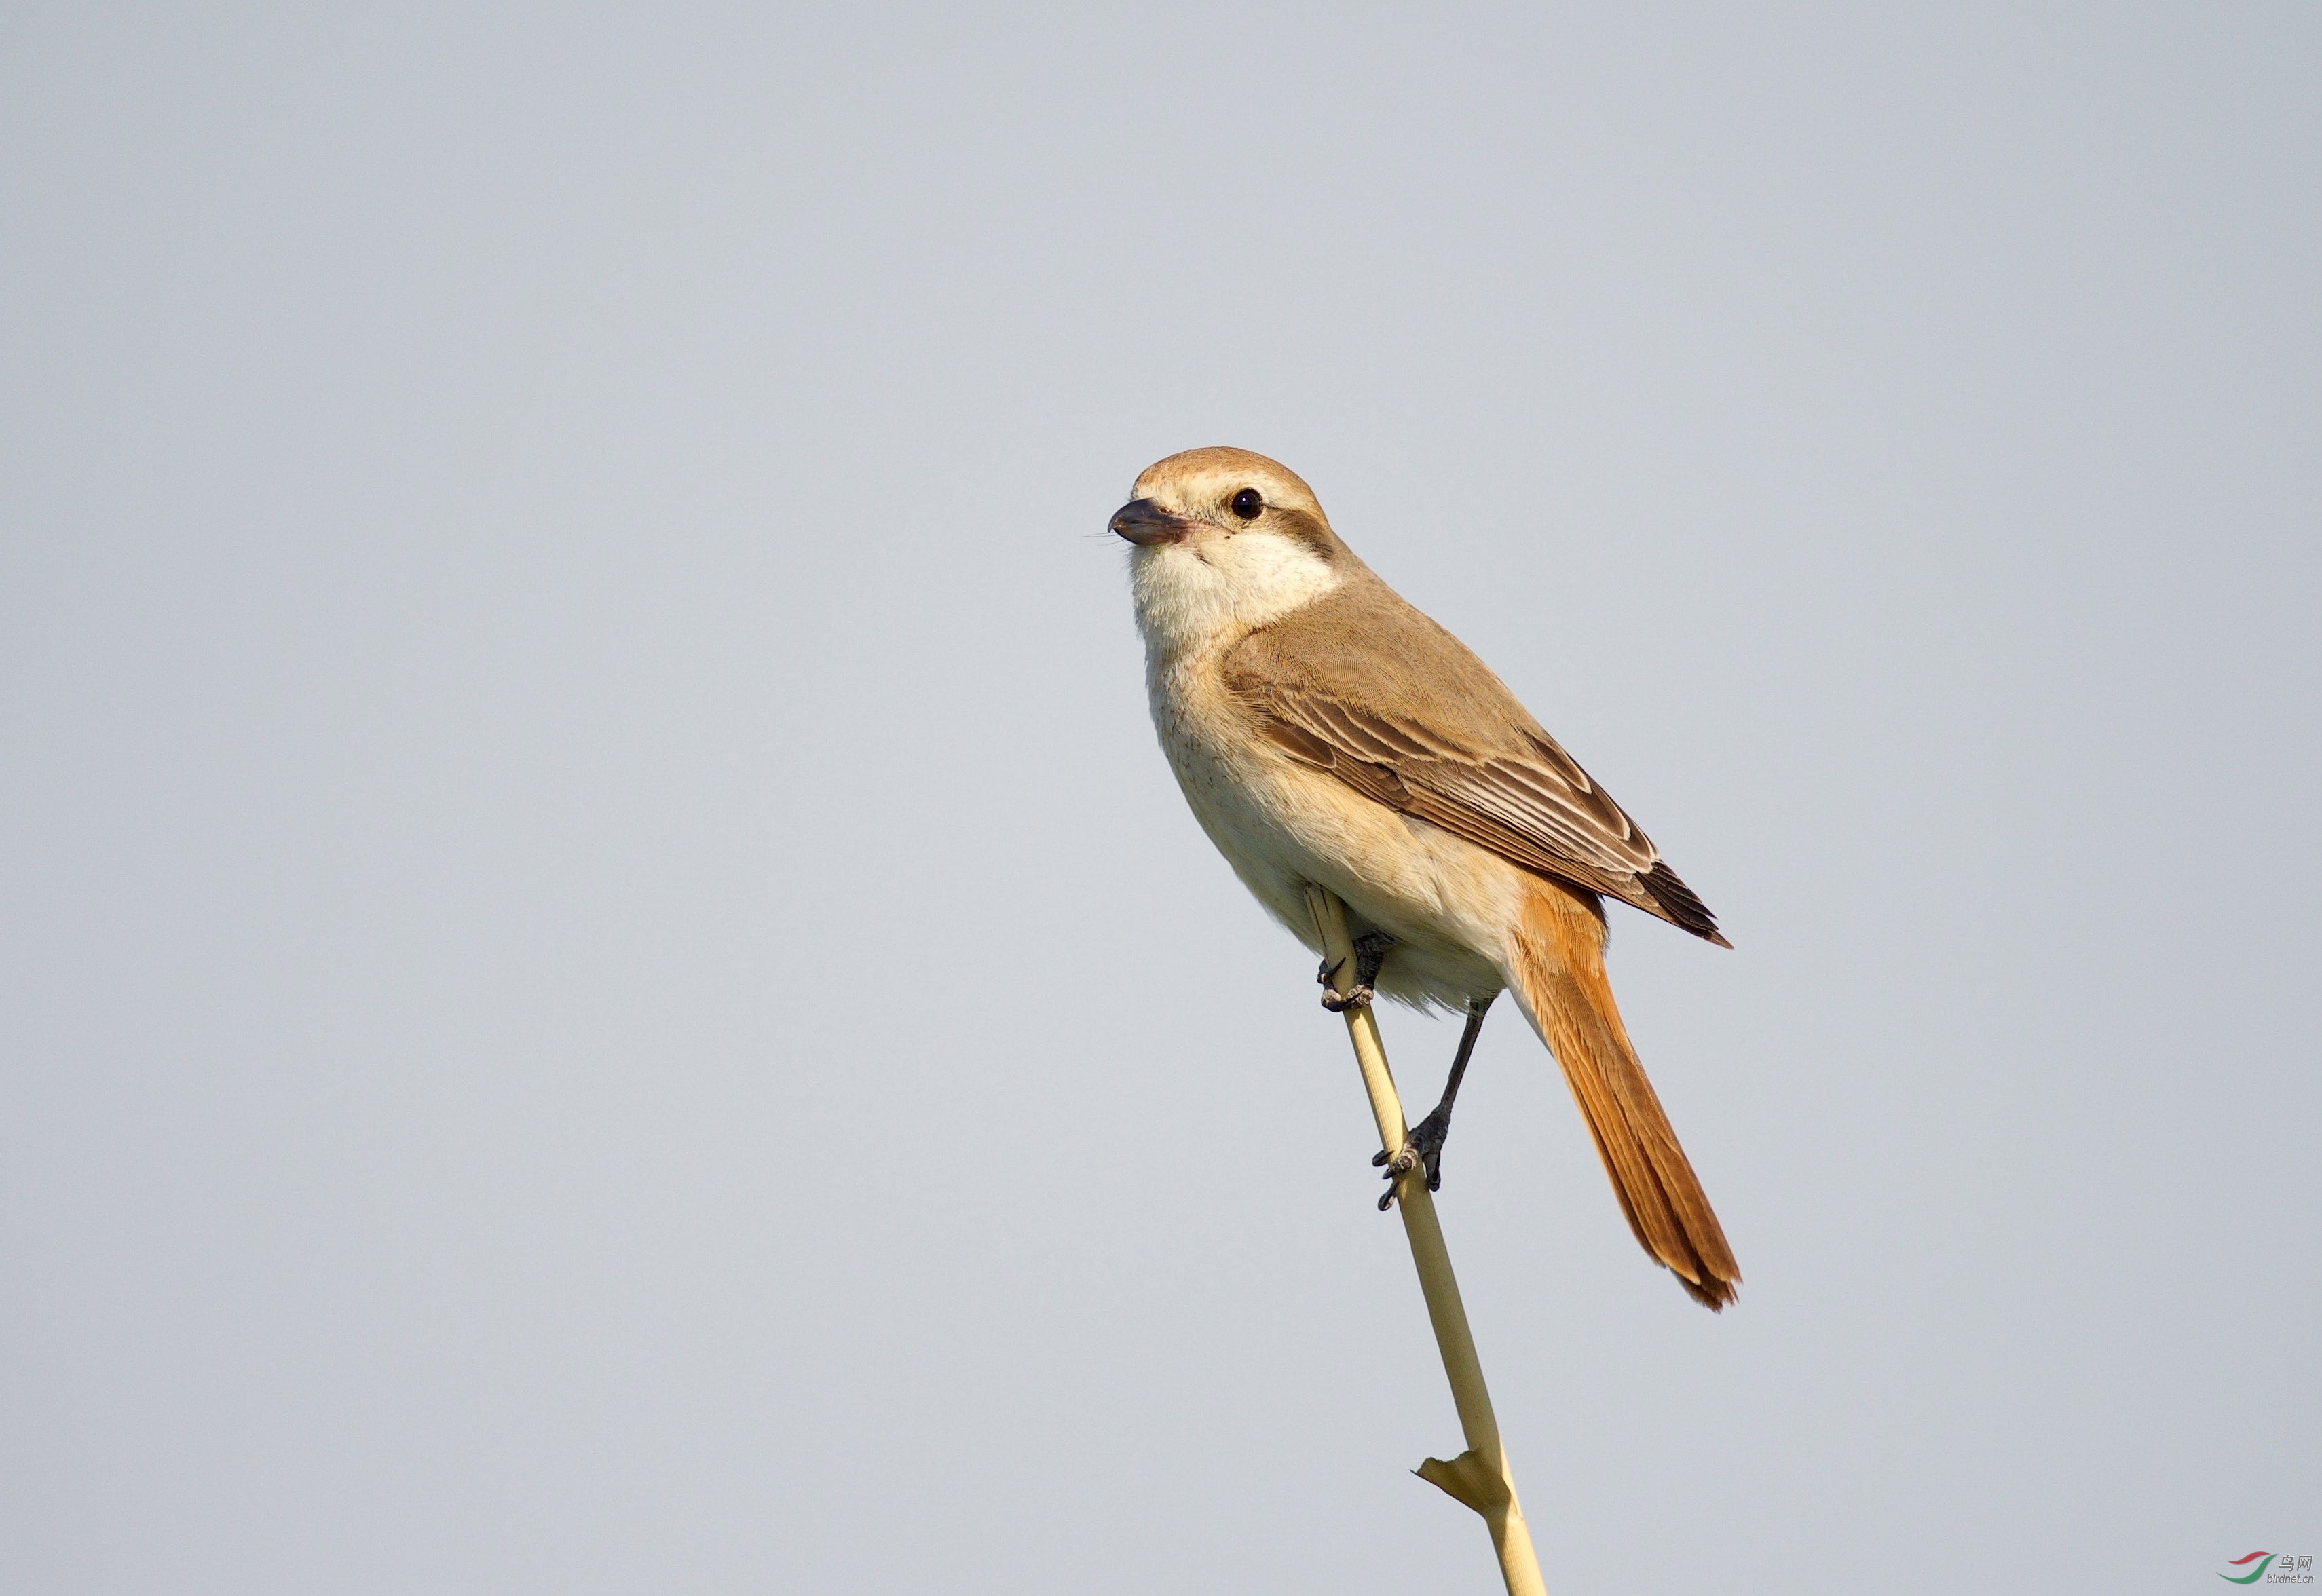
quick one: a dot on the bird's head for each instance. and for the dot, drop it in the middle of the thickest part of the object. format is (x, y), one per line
(1225, 540)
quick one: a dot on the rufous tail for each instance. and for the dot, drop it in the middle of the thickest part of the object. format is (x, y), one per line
(1557, 964)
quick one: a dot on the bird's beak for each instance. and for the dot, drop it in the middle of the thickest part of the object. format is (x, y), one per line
(1145, 524)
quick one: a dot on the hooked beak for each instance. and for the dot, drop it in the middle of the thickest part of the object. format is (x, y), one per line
(1145, 524)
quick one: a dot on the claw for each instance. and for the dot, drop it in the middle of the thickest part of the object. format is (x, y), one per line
(1422, 1146)
(1357, 995)
(1370, 953)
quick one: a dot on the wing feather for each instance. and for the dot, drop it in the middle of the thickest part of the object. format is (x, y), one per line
(1499, 781)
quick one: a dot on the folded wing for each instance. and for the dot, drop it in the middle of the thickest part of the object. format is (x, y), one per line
(1475, 762)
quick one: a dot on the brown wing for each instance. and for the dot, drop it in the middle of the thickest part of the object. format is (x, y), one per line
(1479, 766)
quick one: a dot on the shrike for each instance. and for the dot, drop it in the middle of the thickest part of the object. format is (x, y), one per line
(1325, 732)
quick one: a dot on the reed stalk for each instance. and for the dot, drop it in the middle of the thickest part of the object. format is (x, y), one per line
(1478, 1477)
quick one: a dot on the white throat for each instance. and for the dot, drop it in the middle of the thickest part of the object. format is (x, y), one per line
(1191, 600)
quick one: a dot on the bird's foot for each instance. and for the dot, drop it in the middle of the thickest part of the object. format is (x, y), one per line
(1422, 1148)
(1353, 997)
(1370, 953)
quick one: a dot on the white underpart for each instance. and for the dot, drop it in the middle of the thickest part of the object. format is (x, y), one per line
(1218, 586)
(1280, 823)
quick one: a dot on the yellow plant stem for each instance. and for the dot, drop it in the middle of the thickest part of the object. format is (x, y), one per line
(1479, 1476)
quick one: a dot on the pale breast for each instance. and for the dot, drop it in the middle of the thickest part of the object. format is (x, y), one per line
(1282, 824)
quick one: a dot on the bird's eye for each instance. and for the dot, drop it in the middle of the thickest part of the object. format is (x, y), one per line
(1247, 505)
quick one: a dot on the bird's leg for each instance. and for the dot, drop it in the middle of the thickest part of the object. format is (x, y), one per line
(1370, 953)
(1424, 1144)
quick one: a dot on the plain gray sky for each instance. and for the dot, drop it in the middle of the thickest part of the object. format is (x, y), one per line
(606, 989)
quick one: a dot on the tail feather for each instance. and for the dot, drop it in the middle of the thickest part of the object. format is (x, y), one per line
(1559, 980)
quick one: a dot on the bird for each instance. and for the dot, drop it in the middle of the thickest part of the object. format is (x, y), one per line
(1327, 734)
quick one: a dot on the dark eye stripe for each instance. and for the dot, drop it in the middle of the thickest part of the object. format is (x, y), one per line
(1305, 528)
